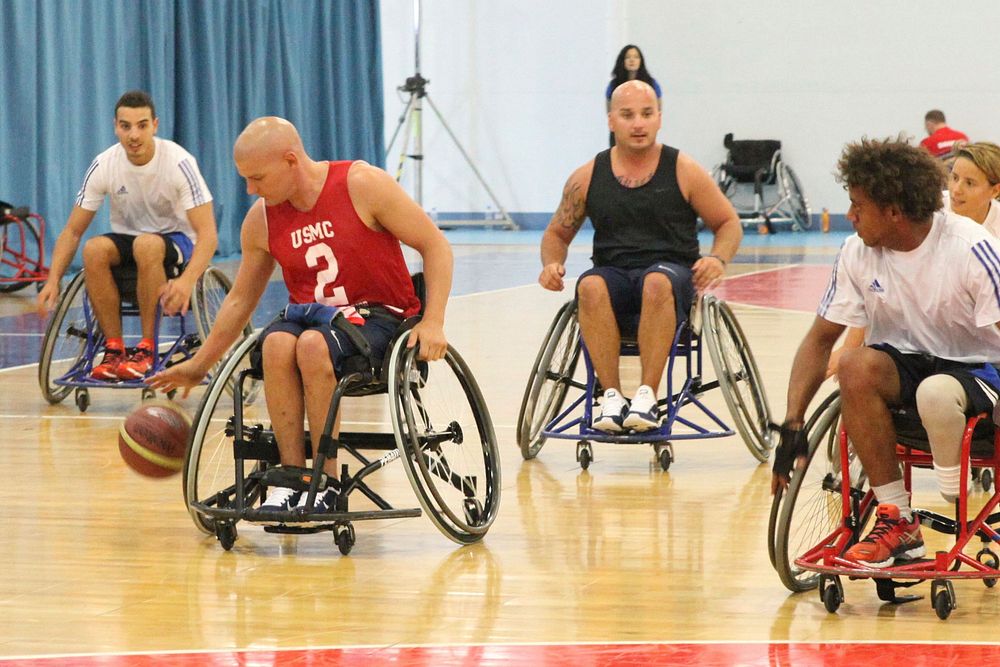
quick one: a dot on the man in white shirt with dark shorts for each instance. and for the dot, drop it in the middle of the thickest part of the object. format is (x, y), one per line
(161, 222)
(925, 284)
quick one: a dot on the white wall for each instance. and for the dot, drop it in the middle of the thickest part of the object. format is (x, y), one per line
(521, 82)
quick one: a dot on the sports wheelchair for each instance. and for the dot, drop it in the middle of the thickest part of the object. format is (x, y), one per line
(828, 507)
(441, 429)
(763, 189)
(74, 341)
(22, 248)
(543, 415)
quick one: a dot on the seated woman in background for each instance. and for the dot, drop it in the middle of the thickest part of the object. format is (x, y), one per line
(630, 65)
(973, 188)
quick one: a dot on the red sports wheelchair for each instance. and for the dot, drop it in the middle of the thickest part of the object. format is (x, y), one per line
(828, 507)
(22, 248)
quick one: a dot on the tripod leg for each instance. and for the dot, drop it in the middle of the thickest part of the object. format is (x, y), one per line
(406, 141)
(506, 219)
(399, 124)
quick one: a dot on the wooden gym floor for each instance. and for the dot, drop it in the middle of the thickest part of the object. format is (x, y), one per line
(620, 564)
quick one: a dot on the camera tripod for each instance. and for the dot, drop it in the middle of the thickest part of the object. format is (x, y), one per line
(411, 119)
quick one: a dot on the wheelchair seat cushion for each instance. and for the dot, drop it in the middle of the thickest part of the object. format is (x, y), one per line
(911, 433)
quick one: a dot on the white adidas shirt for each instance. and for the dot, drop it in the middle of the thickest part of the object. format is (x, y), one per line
(942, 298)
(154, 197)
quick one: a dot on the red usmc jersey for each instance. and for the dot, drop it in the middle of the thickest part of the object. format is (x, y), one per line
(329, 256)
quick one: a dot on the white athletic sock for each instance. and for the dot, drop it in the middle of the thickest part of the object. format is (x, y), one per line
(895, 493)
(948, 478)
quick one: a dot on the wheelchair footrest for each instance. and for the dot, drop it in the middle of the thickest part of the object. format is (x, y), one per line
(886, 589)
(296, 521)
(294, 477)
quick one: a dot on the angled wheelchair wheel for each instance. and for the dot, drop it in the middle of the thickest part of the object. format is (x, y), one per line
(550, 380)
(209, 466)
(739, 377)
(20, 252)
(446, 441)
(811, 508)
(797, 203)
(65, 342)
(206, 300)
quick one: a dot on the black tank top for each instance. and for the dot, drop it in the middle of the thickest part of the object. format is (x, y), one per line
(636, 227)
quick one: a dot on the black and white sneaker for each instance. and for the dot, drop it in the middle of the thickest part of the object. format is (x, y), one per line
(644, 414)
(613, 409)
(325, 501)
(279, 499)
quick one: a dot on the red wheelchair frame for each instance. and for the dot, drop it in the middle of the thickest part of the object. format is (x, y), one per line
(826, 558)
(22, 249)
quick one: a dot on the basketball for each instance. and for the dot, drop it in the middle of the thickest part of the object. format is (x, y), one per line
(153, 438)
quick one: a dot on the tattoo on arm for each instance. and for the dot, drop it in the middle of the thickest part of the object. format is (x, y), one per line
(572, 208)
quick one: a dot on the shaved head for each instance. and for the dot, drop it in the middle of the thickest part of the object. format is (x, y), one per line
(635, 93)
(268, 138)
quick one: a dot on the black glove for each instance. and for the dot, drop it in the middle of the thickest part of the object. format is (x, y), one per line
(793, 444)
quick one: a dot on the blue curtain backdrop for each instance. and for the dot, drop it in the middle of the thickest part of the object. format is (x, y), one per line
(211, 66)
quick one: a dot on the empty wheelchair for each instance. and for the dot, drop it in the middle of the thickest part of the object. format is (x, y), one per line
(550, 411)
(441, 430)
(74, 342)
(763, 189)
(829, 506)
(22, 248)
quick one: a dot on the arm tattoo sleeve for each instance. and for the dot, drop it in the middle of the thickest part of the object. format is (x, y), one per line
(572, 208)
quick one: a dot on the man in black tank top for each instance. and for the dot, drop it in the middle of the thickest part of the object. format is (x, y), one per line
(644, 200)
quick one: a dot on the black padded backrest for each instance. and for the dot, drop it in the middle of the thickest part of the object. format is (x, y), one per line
(755, 153)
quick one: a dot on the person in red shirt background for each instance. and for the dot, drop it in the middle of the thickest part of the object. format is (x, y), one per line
(941, 141)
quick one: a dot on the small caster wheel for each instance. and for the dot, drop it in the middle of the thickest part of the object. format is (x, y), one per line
(226, 534)
(831, 593)
(665, 456)
(344, 537)
(473, 510)
(943, 598)
(148, 394)
(82, 398)
(986, 479)
(989, 559)
(584, 455)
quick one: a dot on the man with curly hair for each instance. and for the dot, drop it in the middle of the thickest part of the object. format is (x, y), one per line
(925, 284)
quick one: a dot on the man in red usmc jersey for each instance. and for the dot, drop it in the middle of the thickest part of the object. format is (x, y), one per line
(335, 229)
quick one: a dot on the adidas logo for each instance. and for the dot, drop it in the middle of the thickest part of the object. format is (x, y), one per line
(876, 287)
(122, 191)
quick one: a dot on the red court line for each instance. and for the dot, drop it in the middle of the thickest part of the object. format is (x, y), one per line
(798, 287)
(556, 655)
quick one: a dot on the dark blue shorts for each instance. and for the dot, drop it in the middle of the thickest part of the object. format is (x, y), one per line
(377, 330)
(625, 289)
(980, 381)
(178, 251)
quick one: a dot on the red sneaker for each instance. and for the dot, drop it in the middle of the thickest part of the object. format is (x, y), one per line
(108, 368)
(138, 364)
(889, 539)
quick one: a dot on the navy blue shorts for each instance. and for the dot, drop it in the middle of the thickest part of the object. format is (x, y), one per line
(377, 330)
(980, 381)
(625, 289)
(178, 251)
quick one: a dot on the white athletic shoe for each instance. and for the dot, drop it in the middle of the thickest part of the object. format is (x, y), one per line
(613, 409)
(644, 414)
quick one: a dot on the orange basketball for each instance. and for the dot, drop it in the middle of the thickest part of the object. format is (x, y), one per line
(153, 438)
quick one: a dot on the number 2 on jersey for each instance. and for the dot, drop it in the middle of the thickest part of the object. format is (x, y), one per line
(338, 296)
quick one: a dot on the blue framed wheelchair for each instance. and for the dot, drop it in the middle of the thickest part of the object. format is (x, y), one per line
(762, 187)
(549, 411)
(441, 431)
(74, 341)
